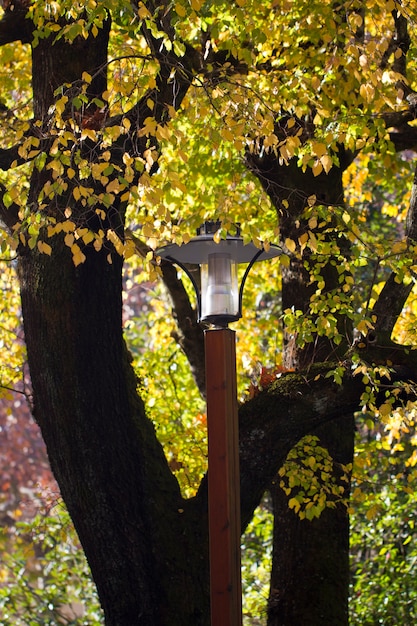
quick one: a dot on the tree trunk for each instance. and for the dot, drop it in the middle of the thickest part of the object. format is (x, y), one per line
(310, 570)
(113, 476)
(126, 505)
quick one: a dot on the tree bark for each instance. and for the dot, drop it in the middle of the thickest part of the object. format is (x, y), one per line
(310, 564)
(310, 560)
(125, 503)
(113, 476)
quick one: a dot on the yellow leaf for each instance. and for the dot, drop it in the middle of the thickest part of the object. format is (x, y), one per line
(162, 132)
(68, 226)
(44, 248)
(372, 511)
(60, 104)
(89, 133)
(69, 239)
(116, 241)
(180, 10)
(317, 168)
(98, 244)
(271, 140)
(315, 82)
(286, 151)
(385, 409)
(127, 159)
(312, 241)
(399, 246)
(54, 165)
(318, 148)
(143, 11)
(367, 92)
(77, 255)
(88, 237)
(294, 504)
(227, 134)
(326, 162)
(284, 260)
(363, 326)
(129, 249)
(113, 186)
(290, 244)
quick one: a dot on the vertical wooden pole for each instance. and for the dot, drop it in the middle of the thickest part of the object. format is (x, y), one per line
(223, 478)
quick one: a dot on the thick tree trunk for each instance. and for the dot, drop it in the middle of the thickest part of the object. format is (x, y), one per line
(310, 571)
(147, 552)
(112, 473)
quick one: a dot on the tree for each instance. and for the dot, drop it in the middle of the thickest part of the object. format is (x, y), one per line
(153, 105)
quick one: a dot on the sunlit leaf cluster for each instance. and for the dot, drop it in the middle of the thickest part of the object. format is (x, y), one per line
(310, 480)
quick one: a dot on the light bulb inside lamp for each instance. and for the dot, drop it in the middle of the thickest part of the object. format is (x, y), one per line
(219, 289)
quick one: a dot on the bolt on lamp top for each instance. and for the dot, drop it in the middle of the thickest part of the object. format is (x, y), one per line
(220, 299)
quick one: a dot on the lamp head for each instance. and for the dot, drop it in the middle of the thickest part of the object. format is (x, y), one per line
(220, 298)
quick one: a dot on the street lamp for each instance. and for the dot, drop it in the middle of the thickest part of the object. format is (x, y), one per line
(219, 302)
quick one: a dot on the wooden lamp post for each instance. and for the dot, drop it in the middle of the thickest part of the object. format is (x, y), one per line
(219, 302)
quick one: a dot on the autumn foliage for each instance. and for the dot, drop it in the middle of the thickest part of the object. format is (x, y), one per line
(124, 127)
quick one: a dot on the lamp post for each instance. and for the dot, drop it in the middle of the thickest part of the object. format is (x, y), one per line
(219, 302)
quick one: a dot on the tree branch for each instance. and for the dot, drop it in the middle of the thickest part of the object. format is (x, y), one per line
(190, 336)
(271, 423)
(394, 294)
(405, 137)
(402, 42)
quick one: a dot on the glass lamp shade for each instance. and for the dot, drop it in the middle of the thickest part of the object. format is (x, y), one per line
(219, 289)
